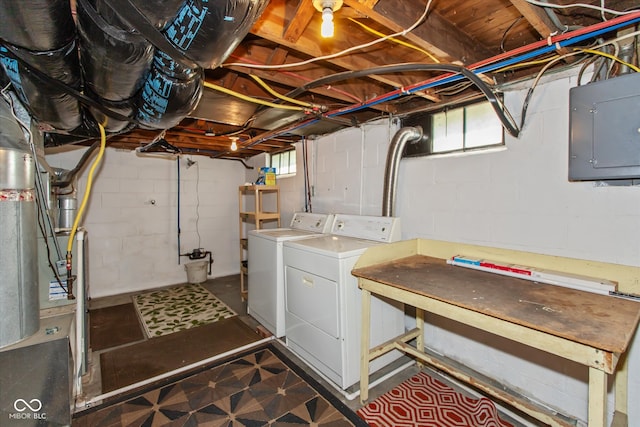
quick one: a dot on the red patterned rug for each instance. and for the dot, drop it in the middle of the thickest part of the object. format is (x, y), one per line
(426, 402)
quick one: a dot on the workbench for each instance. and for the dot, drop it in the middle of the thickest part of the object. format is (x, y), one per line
(590, 329)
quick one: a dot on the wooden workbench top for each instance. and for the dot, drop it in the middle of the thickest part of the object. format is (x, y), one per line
(600, 321)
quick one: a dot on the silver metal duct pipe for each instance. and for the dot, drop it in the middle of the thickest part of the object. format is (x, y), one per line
(18, 240)
(626, 55)
(64, 178)
(394, 154)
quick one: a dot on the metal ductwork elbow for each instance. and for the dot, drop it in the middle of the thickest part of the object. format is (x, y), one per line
(399, 141)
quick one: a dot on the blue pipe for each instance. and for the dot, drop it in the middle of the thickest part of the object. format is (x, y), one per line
(178, 202)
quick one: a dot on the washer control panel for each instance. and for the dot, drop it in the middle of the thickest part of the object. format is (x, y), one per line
(377, 228)
(315, 222)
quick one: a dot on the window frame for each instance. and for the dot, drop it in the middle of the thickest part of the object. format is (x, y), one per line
(292, 156)
(425, 147)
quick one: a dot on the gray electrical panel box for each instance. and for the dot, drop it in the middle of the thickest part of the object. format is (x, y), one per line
(604, 130)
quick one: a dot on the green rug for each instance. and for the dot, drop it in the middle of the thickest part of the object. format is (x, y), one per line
(179, 308)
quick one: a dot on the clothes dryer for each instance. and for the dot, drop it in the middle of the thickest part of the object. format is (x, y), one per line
(323, 301)
(265, 301)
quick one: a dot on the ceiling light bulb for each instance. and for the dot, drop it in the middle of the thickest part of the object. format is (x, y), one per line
(234, 146)
(326, 30)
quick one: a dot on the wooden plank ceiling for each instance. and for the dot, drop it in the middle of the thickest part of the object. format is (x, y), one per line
(460, 32)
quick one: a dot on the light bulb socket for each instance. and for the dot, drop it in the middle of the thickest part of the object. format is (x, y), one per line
(320, 5)
(327, 28)
(327, 7)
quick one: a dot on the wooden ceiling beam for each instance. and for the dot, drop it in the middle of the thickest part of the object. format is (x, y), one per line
(303, 14)
(287, 80)
(271, 27)
(435, 34)
(348, 91)
(536, 17)
(278, 56)
(368, 3)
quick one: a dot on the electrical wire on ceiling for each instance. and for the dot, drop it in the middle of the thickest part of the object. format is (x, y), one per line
(395, 40)
(455, 89)
(337, 54)
(610, 56)
(593, 50)
(527, 64)
(527, 98)
(509, 28)
(250, 99)
(587, 63)
(282, 97)
(305, 78)
(604, 68)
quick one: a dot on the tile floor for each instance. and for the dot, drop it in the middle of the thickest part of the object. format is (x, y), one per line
(256, 389)
(228, 290)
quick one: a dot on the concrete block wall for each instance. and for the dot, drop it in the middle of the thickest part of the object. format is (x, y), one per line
(132, 218)
(345, 169)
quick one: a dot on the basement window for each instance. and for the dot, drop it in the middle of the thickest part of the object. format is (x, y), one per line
(285, 163)
(470, 127)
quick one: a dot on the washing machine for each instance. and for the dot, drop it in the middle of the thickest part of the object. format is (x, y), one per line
(323, 301)
(265, 280)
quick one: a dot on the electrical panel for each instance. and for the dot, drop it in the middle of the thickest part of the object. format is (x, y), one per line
(604, 130)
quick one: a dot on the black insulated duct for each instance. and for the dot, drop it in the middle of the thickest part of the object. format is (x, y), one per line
(170, 93)
(41, 35)
(51, 106)
(208, 31)
(114, 63)
(157, 12)
(141, 60)
(37, 25)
